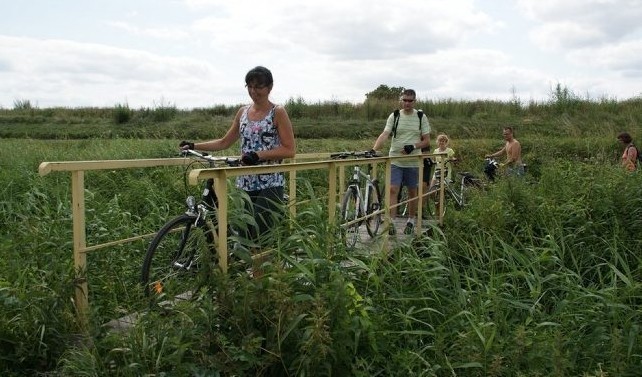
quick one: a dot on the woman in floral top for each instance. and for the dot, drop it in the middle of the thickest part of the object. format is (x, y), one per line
(266, 135)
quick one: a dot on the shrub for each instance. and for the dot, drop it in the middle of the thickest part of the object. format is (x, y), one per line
(121, 114)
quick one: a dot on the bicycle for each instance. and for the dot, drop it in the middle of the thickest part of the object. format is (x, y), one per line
(359, 205)
(171, 265)
(467, 181)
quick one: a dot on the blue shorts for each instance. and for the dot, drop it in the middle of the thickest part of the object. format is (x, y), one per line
(407, 177)
(517, 171)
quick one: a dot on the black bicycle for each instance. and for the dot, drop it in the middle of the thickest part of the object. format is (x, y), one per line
(360, 204)
(170, 269)
(457, 193)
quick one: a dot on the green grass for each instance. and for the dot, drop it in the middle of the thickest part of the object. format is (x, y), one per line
(536, 277)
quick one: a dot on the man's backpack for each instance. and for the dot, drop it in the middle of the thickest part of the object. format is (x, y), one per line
(420, 115)
(639, 159)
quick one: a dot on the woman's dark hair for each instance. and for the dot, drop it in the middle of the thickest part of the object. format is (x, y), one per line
(625, 137)
(259, 76)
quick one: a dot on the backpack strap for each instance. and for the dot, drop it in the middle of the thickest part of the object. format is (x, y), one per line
(420, 115)
(395, 123)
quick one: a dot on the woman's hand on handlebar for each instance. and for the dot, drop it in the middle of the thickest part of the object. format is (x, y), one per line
(186, 145)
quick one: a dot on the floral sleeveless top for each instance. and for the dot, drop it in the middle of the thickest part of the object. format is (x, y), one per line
(257, 136)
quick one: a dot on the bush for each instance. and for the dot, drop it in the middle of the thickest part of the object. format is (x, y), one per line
(122, 114)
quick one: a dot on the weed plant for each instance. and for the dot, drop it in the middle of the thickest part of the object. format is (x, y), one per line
(539, 276)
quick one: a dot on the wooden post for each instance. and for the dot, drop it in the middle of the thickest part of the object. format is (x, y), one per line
(80, 245)
(442, 180)
(386, 195)
(420, 197)
(220, 186)
(332, 193)
(292, 194)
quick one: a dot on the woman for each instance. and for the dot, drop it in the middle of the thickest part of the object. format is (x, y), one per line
(630, 154)
(267, 138)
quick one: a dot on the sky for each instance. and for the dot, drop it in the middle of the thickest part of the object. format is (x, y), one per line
(195, 53)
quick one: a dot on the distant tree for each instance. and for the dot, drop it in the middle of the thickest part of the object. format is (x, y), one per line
(383, 92)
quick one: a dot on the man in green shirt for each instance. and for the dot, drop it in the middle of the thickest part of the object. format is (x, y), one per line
(410, 133)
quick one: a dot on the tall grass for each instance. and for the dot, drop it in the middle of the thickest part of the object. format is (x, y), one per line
(537, 277)
(565, 114)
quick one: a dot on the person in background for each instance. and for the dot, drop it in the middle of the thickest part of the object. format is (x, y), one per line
(630, 154)
(266, 135)
(513, 150)
(409, 135)
(448, 159)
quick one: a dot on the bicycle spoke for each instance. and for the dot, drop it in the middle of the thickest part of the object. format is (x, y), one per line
(173, 262)
(349, 213)
(374, 205)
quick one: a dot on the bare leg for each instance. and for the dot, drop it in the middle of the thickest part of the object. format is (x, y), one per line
(394, 191)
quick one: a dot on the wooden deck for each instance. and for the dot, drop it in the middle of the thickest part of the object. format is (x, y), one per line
(365, 244)
(369, 243)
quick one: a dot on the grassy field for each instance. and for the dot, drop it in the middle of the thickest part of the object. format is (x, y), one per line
(540, 276)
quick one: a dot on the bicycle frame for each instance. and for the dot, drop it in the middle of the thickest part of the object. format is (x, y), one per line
(357, 174)
(357, 206)
(184, 240)
(457, 194)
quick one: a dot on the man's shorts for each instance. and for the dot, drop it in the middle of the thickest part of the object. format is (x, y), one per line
(516, 171)
(407, 177)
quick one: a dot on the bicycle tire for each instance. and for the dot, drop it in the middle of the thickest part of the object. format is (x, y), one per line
(435, 202)
(402, 196)
(171, 268)
(431, 202)
(373, 223)
(469, 183)
(349, 213)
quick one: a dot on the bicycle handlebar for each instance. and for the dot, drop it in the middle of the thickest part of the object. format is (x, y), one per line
(343, 155)
(229, 161)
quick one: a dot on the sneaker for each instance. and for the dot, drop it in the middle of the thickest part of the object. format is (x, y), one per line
(409, 228)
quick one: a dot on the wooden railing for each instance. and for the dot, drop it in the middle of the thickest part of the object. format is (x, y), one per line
(315, 161)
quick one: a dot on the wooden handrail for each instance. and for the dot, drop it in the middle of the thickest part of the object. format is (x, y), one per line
(310, 161)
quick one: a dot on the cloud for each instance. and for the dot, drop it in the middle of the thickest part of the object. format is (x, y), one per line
(58, 71)
(624, 59)
(357, 29)
(573, 24)
(166, 33)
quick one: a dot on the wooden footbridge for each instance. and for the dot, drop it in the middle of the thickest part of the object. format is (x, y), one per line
(320, 161)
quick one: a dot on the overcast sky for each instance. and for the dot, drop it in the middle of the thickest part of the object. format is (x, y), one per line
(195, 53)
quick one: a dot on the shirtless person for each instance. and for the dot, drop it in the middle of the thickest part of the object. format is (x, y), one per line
(513, 150)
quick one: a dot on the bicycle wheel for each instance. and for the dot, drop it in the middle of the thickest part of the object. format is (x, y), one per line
(374, 204)
(402, 196)
(349, 213)
(170, 271)
(469, 184)
(436, 208)
(430, 203)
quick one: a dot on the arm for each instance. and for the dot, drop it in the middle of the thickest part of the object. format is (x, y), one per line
(424, 143)
(380, 140)
(498, 153)
(226, 141)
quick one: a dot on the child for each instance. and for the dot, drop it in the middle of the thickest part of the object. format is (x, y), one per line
(442, 147)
